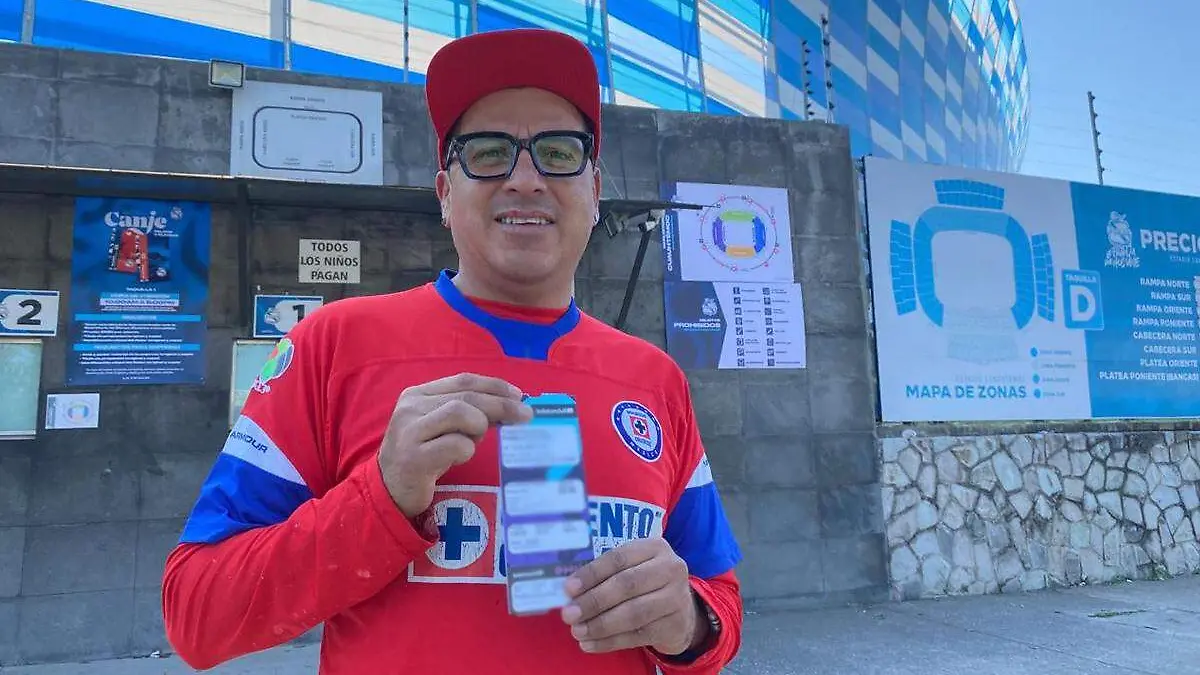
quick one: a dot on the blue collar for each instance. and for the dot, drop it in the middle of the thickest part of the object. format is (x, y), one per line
(519, 339)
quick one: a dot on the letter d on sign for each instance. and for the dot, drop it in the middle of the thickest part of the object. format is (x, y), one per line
(1082, 293)
(1083, 304)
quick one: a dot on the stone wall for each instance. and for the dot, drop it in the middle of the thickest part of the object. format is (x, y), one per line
(1005, 513)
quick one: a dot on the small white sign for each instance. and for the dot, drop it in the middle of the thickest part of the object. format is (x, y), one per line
(27, 313)
(72, 411)
(306, 133)
(329, 261)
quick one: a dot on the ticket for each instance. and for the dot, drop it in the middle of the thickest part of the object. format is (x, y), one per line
(544, 514)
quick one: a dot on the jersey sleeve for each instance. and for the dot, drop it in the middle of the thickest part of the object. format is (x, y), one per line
(273, 547)
(699, 533)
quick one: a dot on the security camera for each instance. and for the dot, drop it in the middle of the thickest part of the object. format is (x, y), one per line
(644, 221)
(656, 217)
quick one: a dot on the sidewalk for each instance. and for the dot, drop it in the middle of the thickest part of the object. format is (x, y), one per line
(1143, 627)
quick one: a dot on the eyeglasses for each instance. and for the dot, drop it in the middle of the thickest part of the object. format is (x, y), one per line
(486, 155)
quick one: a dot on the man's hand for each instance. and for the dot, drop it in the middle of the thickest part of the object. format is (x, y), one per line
(435, 426)
(636, 595)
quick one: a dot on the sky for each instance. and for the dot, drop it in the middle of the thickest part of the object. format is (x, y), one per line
(1135, 57)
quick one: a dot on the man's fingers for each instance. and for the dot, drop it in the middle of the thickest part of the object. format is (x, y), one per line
(622, 557)
(453, 416)
(446, 451)
(626, 616)
(644, 636)
(498, 409)
(621, 587)
(467, 382)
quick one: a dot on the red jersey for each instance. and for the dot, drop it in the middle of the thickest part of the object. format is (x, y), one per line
(294, 526)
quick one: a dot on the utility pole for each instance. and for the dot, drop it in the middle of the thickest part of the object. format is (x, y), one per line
(1095, 137)
(608, 68)
(699, 58)
(806, 78)
(406, 54)
(281, 30)
(827, 44)
(287, 34)
(28, 12)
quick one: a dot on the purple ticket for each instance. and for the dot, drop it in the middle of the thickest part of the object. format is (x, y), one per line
(545, 520)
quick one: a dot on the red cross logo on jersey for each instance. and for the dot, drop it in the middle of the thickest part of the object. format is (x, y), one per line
(467, 550)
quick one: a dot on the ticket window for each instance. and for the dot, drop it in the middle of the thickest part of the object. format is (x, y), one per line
(20, 384)
(249, 358)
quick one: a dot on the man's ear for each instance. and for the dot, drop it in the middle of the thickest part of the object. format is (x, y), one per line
(442, 187)
(597, 185)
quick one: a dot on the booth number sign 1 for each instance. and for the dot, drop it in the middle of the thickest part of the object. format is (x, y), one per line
(329, 261)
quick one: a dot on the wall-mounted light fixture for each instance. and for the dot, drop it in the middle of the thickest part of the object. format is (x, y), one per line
(226, 74)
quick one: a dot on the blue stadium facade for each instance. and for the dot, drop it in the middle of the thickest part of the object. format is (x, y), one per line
(941, 81)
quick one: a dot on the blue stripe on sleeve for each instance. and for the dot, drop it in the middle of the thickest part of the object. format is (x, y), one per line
(252, 484)
(698, 530)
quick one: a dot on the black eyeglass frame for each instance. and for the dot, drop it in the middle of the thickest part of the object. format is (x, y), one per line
(457, 143)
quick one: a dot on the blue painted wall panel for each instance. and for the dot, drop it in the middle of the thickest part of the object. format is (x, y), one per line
(77, 24)
(10, 19)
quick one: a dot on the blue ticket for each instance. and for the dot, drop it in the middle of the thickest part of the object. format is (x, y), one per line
(544, 517)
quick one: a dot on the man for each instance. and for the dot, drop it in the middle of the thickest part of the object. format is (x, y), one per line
(359, 488)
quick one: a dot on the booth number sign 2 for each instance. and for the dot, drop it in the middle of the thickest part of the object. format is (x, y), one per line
(30, 313)
(329, 261)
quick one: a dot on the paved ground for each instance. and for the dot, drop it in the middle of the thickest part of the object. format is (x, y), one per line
(1144, 627)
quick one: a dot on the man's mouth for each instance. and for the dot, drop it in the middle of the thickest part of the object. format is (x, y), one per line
(524, 219)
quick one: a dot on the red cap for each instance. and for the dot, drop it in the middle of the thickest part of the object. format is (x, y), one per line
(469, 68)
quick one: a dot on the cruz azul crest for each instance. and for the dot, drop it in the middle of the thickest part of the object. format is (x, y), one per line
(639, 429)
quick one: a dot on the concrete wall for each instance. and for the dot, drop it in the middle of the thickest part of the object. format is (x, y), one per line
(87, 517)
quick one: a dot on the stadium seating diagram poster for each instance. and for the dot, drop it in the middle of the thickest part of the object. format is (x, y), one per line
(729, 291)
(1008, 297)
(139, 292)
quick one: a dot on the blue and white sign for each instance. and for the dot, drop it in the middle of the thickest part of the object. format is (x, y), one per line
(729, 294)
(275, 315)
(715, 325)
(1008, 297)
(28, 313)
(139, 292)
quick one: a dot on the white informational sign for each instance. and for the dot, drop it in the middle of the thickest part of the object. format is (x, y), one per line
(1009, 297)
(29, 313)
(726, 325)
(743, 234)
(72, 411)
(330, 261)
(275, 315)
(307, 133)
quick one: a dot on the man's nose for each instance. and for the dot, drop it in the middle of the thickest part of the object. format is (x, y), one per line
(525, 176)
